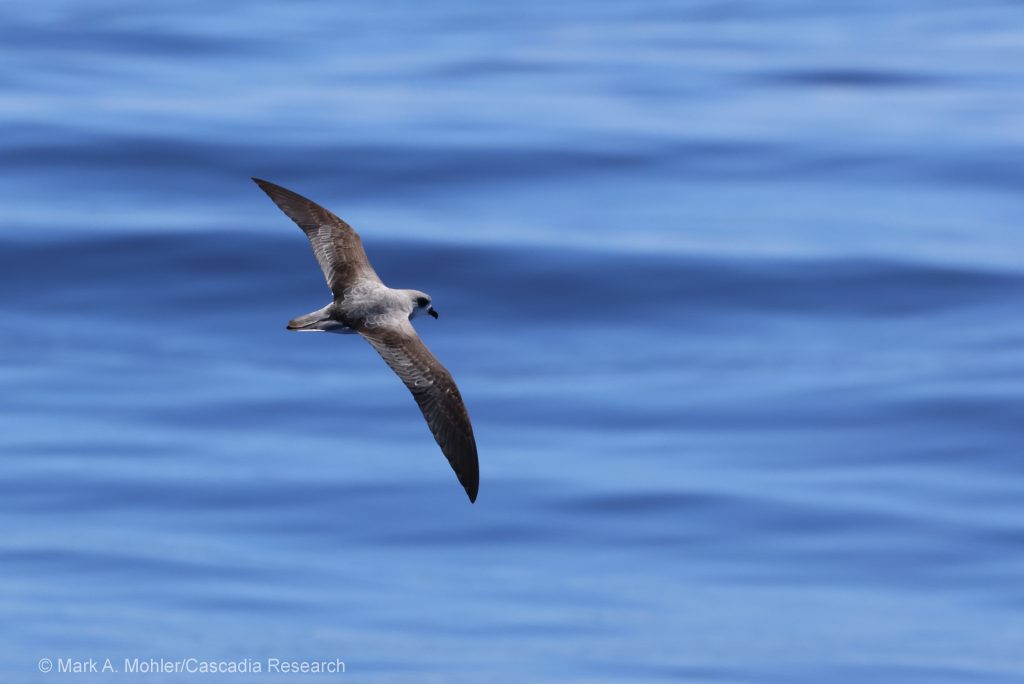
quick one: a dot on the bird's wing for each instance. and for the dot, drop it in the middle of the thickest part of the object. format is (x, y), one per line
(337, 247)
(434, 390)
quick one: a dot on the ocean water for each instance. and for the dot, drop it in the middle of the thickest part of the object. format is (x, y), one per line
(734, 292)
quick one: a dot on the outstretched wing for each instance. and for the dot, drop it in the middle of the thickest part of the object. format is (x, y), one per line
(337, 247)
(434, 390)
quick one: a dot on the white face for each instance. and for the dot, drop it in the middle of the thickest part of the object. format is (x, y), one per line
(422, 306)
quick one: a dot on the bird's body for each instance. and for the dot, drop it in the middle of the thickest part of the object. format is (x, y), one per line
(383, 316)
(366, 304)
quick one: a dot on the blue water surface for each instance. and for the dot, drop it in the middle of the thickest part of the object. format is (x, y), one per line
(734, 292)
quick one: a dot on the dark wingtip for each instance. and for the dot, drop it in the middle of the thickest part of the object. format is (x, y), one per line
(471, 485)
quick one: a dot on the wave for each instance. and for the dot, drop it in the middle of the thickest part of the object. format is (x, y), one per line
(228, 274)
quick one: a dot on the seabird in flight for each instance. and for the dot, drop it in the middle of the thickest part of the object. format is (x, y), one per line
(383, 317)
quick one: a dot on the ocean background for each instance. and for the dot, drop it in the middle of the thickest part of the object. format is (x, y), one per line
(734, 292)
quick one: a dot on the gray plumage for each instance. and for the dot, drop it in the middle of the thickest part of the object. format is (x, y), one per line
(382, 316)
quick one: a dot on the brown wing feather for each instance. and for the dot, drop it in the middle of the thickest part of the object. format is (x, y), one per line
(434, 390)
(337, 247)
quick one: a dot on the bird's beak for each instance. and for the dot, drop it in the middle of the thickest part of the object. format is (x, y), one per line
(432, 312)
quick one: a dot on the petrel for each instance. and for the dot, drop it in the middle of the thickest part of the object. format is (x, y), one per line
(383, 317)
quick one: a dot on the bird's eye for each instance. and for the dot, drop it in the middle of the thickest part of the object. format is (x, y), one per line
(422, 301)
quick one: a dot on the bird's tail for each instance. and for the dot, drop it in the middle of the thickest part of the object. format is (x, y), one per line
(317, 321)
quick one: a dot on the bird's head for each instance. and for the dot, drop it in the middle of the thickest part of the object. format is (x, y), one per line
(421, 304)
